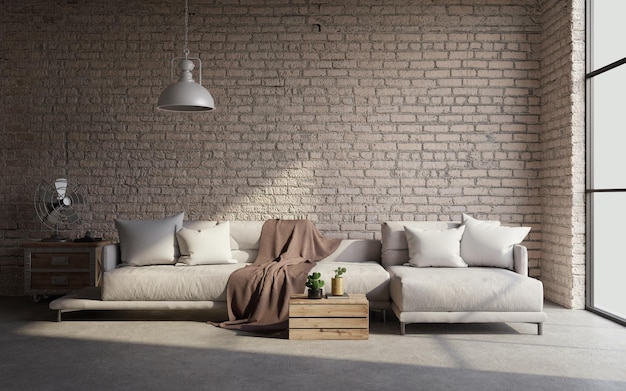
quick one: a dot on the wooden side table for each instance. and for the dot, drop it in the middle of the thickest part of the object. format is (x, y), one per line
(339, 318)
(52, 268)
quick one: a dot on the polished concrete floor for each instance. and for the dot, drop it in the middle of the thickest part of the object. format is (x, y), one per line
(179, 351)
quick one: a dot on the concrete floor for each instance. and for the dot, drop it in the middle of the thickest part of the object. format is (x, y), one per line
(179, 351)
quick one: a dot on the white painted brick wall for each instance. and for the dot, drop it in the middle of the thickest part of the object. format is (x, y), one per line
(563, 166)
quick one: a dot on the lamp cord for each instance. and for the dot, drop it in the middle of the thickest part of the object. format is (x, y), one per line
(186, 29)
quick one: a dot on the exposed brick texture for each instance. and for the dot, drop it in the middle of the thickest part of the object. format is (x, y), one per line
(346, 113)
(563, 143)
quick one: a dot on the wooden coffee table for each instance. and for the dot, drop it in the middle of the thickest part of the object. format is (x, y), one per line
(341, 318)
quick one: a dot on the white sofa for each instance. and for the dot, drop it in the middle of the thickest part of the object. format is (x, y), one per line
(203, 286)
(480, 293)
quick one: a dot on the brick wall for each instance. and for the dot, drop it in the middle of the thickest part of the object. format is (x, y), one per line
(563, 142)
(347, 113)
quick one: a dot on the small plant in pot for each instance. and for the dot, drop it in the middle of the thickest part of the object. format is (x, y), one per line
(337, 282)
(315, 285)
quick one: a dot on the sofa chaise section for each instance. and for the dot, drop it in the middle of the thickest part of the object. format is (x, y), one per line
(458, 294)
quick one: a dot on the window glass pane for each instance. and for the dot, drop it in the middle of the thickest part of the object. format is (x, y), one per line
(607, 32)
(609, 256)
(609, 129)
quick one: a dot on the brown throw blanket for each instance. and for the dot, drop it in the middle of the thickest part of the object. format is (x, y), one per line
(258, 295)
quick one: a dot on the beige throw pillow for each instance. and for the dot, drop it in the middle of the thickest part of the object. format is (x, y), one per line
(206, 246)
(435, 248)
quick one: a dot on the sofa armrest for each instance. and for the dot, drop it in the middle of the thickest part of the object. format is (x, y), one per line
(520, 259)
(111, 257)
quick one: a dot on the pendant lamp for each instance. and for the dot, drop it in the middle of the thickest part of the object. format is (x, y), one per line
(186, 95)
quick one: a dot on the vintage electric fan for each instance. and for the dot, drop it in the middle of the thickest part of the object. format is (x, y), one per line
(59, 206)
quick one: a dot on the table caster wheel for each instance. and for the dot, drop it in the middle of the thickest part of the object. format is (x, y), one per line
(37, 297)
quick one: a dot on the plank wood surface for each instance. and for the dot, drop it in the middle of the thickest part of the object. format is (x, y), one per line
(341, 318)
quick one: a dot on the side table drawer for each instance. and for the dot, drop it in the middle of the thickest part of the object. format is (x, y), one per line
(59, 280)
(59, 261)
(54, 268)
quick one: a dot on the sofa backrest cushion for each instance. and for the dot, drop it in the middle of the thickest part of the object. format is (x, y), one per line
(395, 248)
(244, 240)
(356, 250)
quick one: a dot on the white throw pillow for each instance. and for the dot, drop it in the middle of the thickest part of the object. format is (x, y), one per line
(435, 248)
(149, 242)
(486, 243)
(465, 218)
(207, 246)
(197, 225)
(200, 224)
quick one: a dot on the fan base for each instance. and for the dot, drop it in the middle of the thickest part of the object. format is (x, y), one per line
(56, 238)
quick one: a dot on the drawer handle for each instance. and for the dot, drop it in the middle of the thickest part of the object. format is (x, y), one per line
(60, 280)
(60, 261)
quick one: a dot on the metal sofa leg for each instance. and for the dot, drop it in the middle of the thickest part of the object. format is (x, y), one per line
(58, 315)
(540, 328)
(402, 328)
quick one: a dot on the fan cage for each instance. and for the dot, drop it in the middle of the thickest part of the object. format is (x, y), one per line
(59, 205)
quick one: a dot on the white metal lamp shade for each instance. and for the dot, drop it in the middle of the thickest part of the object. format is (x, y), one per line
(186, 95)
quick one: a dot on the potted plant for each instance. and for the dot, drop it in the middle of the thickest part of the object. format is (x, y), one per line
(337, 282)
(315, 285)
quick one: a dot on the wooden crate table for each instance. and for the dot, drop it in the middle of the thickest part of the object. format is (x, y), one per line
(340, 318)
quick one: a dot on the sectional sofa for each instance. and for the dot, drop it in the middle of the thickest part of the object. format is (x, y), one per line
(442, 272)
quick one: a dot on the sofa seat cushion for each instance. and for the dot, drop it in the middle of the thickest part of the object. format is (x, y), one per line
(168, 282)
(368, 278)
(469, 289)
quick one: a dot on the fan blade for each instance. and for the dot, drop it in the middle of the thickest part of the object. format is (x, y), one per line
(54, 217)
(61, 185)
(70, 216)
